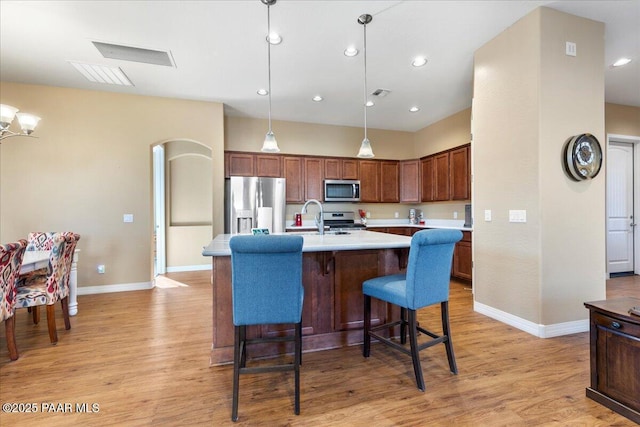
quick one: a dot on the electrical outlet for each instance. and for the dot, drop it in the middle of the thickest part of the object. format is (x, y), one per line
(100, 269)
(571, 49)
(368, 214)
(455, 215)
(396, 215)
(487, 215)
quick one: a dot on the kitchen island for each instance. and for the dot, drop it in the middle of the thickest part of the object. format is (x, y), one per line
(334, 267)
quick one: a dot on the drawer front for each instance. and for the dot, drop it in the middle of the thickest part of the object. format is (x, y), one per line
(619, 325)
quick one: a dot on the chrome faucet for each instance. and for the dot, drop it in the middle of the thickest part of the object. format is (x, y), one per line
(319, 217)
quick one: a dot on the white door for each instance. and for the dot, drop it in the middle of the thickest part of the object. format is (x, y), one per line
(160, 259)
(620, 219)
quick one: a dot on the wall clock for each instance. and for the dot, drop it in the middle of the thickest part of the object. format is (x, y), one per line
(582, 157)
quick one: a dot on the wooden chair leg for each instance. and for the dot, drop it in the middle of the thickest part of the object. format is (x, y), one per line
(444, 310)
(415, 352)
(51, 322)
(296, 367)
(366, 347)
(65, 312)
(10, 328)
(35, 313)
(236, 371)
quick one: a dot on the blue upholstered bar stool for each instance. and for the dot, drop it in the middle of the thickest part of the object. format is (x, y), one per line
(266, 280)
(425, 283)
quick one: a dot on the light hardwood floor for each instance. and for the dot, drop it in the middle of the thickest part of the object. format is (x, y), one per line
(143, 357)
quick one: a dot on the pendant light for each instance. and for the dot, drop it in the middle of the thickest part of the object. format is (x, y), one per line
(270, 144)
(365, 147)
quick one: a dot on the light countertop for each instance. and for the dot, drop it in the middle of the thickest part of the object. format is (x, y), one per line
(355, 240)
(455, 224)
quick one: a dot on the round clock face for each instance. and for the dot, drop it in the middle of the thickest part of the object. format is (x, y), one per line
(582, 157)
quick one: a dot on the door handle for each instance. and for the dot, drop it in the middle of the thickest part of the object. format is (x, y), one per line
(633, 224)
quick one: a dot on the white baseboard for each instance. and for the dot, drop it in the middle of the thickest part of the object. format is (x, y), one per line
(121, 287)
(540, 331)
(181, 268)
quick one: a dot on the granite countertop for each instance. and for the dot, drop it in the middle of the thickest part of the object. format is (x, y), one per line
(313, 242)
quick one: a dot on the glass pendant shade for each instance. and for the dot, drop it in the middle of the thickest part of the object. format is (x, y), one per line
(270, 144)
(365, 149)
(7, 113)
(28, 122)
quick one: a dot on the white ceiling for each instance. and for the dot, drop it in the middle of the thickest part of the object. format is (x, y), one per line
(221, 55)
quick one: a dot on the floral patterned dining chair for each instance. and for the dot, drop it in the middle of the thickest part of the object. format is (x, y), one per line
(45, 290)
(11, 255)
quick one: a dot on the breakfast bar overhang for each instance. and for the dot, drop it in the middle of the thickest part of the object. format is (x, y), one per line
(334, 267)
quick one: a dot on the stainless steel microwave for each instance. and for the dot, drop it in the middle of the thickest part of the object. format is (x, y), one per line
(341, 190)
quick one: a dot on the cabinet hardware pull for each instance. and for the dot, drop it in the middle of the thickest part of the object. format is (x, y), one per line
(616, 325)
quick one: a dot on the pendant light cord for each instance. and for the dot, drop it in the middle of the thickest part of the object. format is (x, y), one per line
(269, 58)
(365, 80)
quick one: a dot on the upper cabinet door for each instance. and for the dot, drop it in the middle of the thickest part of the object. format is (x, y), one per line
(268, 165)
(460, 173)
(294, 175)
(350, 169)
(389, 181)
(441, 176)
(369, 180)
(409, 181)
(314, 178)
(240, 164)
(428, 178)
(335, 168)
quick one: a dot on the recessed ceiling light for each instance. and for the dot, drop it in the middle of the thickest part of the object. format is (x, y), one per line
(370, 104)
(263, 92)
(419, 61)
(274, 38)
(317, 98)
(102, 74)
(350, 51)
(414, 109)
(620, 62)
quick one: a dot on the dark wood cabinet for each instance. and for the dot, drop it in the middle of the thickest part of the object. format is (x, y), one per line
(441, 177)
(239, 164)
(409, 181)
(615, 356)
(268, 165)
(335, 168)
(462, 261)
(427, 179)
(369, 181)
(459, 173)
(293, 168)
(389, 181)
(314, 178)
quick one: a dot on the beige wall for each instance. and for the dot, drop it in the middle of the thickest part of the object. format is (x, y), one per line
(92, 164)
(452, 131)
(622, 120)
(528, 99)
(246, 134)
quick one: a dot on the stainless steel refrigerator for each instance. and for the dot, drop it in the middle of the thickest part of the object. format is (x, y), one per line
(253, 202)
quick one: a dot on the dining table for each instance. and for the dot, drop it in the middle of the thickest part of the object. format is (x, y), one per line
(35, 260)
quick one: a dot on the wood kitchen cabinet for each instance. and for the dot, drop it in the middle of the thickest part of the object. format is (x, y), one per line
(460, 173)
(615, 356)
(335, 168)
(239, 164)
(427, 178)
(314, 178)
(369, 181)
(389, 181)
(268, 165)
(410, 181)
(461, 266)
(441, 177)
(293, 171)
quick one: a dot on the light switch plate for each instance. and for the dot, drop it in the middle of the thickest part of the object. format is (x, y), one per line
(517, 215)
(127, 218)
(487, 215)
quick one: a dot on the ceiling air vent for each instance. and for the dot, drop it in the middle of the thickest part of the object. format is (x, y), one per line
(135, 54)
(381, 92)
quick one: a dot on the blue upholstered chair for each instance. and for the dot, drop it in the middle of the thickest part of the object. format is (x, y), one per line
(266, 281)
(425, 283)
